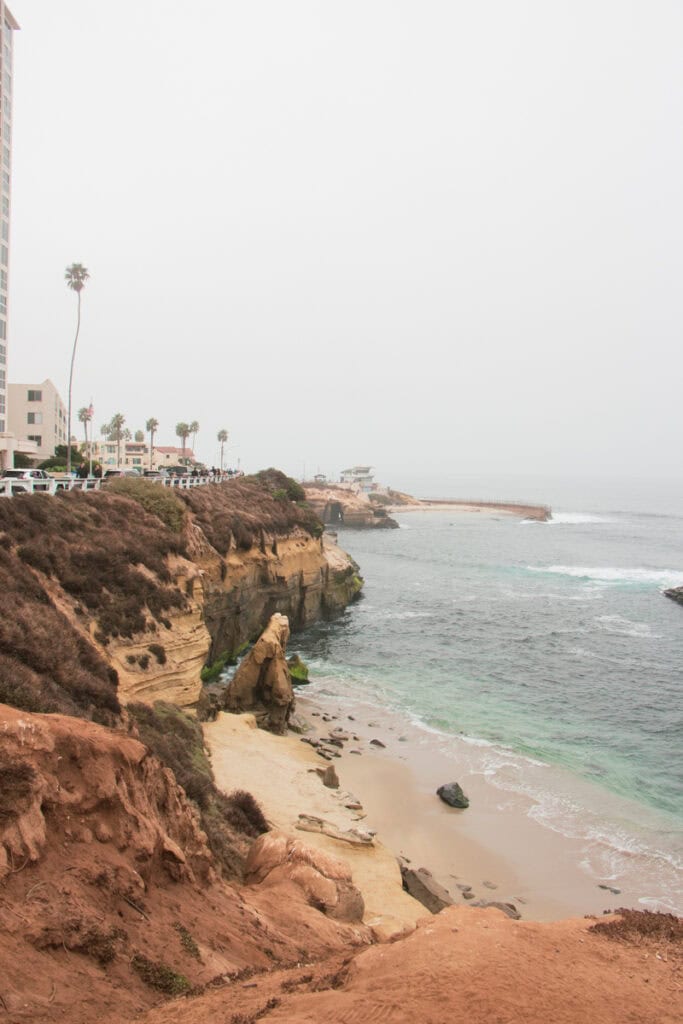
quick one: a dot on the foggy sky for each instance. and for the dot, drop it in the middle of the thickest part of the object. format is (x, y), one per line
(412, 234)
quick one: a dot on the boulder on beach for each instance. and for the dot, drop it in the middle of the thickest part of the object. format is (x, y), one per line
(451, 793)
(422, 886)
(262, 683)
(509, 909)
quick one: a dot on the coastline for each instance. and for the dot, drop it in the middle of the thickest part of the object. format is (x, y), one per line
(494, 850)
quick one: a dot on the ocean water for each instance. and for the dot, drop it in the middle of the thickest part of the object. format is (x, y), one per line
(544, 655)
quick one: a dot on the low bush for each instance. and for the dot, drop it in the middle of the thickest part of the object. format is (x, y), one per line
(157, 500)
(159, 652)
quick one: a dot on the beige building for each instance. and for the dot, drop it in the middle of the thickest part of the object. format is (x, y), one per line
(8, 25)
(135, 455)
(38, 414)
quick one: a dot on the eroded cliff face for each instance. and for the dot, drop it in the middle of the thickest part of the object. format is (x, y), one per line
(110, 898)
(305, 578)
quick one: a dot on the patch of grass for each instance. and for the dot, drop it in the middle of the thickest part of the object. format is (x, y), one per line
(160, 976)
(210, 673)
(157, 500)
(186, 940)
(100, 945)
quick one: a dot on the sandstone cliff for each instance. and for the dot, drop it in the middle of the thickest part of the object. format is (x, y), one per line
(340, 506)
(109, 598)
(110, 899)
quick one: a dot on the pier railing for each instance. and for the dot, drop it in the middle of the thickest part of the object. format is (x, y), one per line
(10, 487)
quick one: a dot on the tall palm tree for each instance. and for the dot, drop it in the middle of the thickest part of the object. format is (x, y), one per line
(183, 432)
(194, 430)
(76, 275)
(151, 425)
(222, 436)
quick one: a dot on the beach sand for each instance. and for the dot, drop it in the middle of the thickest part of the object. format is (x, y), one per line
(493, 846)
(281, 772)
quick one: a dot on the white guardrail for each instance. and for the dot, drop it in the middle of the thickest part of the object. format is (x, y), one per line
(11, 487)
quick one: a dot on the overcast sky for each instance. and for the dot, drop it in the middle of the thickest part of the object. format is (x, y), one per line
(412, 234)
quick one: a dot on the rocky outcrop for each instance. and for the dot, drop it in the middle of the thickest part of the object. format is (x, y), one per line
(675, 594)
(262, 683)
(341, 506)
(93, 786)
(324, 879)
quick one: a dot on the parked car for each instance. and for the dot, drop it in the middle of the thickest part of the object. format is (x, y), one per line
(155, 474)
(113, 474)
(177, 470)
(17, 480)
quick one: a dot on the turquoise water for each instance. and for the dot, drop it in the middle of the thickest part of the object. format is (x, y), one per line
(548, 642)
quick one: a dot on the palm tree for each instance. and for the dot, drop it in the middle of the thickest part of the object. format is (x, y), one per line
(183, 432)
(151, 425)
(76, 275)
(84, 416)
(222, 436)
(114, 432)
(194, 430)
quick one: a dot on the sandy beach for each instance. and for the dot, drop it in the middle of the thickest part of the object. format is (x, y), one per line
(491, 851)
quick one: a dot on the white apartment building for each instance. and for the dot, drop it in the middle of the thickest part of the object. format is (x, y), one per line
(37, 413)
(7, 28)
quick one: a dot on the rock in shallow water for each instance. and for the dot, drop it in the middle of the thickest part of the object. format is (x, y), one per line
(452, 794)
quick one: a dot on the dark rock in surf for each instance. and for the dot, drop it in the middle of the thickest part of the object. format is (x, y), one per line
(452, 794)
(675, 593)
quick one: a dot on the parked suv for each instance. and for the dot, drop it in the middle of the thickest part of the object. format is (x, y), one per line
(113, 474)
(17, 480)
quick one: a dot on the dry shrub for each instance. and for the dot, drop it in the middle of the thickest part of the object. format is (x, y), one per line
(178, 741)
(45, 664)
(638, 925)
(106, 551)
(241, 509)
(16, 784)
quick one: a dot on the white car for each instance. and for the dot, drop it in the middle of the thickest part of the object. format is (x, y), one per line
(18, 481)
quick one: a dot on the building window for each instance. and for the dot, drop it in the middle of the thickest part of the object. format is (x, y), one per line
(3, 379)
(3, 255)
(3, 304)
(7, 82)
(5, 231)
(3, 279)
(5, 156)
(5, 206)
(5, 180)
(3, 353)
(35, 396)
(38, 438)
(3, 330)
(2, 426)
(34, 417)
